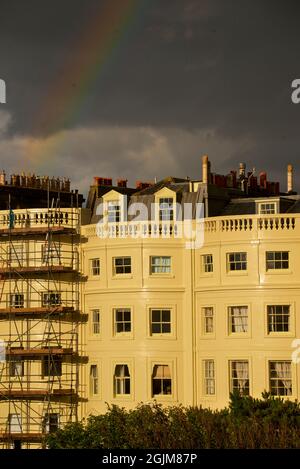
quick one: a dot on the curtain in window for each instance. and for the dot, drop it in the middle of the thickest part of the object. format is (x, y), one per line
(162, 372)
(242, 374)
(283, 371)
(122, 379)
(210, 376)
(161, 264)
(165, 263)
(15, 423)
(94, 379)
(239, 318)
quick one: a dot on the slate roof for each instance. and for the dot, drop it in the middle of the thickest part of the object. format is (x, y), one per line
(295, 208)
(240, 208)
(171, 182)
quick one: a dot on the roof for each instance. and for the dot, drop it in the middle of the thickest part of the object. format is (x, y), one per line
(175, 184)
(240, 208)
(295, 208)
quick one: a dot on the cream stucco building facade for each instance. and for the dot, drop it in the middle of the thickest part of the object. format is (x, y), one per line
(188, 325)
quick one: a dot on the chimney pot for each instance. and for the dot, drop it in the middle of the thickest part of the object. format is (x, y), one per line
(242, 169)
(290, 178)
(205, 169)
(122, 182)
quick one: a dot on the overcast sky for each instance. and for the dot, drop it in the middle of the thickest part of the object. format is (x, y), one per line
(141, 89)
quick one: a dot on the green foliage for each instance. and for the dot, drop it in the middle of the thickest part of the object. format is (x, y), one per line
(269, 422)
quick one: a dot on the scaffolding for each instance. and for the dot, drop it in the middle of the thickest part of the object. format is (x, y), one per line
(39, 323)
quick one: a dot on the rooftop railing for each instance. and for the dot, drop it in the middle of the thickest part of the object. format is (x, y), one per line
(254, 225)
(37, 218)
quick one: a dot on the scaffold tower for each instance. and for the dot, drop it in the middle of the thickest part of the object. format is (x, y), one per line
(39, 320)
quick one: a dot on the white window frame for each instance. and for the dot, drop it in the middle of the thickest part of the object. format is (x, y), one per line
(205, 319)
(279, 262)
(166, 209)
(94, 379)
(267, 208)
(160, 322)
(240, 385)
(162, 268)
(162, 378)
(273, 316)
(16, 304)
(238, 319)
(114, 211)
(122, 322)
(122, 380)
(209, 377)
(51, 298)
(207, 267)
(95, 325)
(95, 266)
(47, 424)
(240, 258)
(122, 266)
(285, 380)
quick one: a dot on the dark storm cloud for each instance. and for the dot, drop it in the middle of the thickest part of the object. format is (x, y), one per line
(193, 65)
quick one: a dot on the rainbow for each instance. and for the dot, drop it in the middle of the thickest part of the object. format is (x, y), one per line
(67, 94)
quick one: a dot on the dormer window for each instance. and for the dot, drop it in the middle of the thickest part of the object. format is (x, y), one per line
(166, 211)
(113, 211)
(267, 208)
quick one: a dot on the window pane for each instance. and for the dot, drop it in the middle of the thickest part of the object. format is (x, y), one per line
(240, 377)
(209, 377)
(17, 300)
(167, 386)
(126, 315)
(161, 380)
(278, 318)
(122, 320)
(113, 211)
(122, 265)
(166, 328)
(94, 379)
(156, 315)
(208, 319)
(95, 263)
(277, 260)
(160, 321)
(207, 263)
(166, 315)
(160, 264)
(238, 319)
(122, 379)
(119, 315)
(280, 374)
(166, 209)
(237, 261)
(156, 328)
